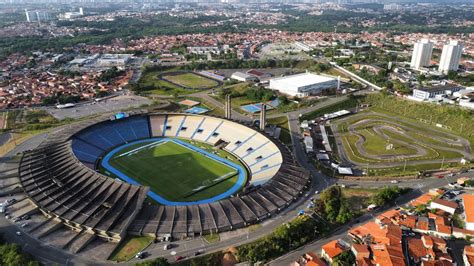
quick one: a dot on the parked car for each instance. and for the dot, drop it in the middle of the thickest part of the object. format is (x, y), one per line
(140, 255)
(178, 258)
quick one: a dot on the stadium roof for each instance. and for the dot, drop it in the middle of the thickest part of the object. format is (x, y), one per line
(303, 79)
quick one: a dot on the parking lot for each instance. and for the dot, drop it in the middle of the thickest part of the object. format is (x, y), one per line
(117, 103)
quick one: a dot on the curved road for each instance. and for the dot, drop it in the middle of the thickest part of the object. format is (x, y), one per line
(48, 254)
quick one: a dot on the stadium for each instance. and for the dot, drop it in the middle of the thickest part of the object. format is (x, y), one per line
(158, 174)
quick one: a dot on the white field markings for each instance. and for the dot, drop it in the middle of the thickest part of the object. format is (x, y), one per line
(148, 146)
(214, 181)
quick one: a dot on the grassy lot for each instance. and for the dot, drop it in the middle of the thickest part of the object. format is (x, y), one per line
(160, 87)
(211, 238)
(191, 80)
(174, 171)
(282, 122)
(358, 198)
(431, 140)
(347, 104)
(129, 247)
(375, 144)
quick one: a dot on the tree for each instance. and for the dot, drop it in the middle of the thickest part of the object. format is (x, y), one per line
(346, 258)
(421, 78)
(155, 262)
(452, 75)
(12, 255)
(345, 214)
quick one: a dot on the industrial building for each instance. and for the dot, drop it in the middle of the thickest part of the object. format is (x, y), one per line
(427, 93)
(244, 77)
(302, 85)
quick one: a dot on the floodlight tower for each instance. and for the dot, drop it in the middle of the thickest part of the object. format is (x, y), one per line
(263, 116)
(228, 107)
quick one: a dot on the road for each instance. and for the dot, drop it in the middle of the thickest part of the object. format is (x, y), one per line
(341, 232)
(243, 117)
(187, 248)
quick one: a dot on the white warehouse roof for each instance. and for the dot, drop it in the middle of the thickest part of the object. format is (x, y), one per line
(303, 84)
(302, 80)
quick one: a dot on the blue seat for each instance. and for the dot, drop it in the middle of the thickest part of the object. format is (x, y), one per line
(84, 151)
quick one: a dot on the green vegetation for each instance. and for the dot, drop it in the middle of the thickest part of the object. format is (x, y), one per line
(286, 237)
(12, 255)
(374, 131)
(110, 74)
(344, 259)
(334, 207)
(404, 140)
(150, 83)
(358, 198)
(387, 195)
(457, 119)
(211, 238)
(175, 172)
(282, 122)
(190, 80)
(458, 221)
(155, 262)
(217, 258)
(129, 247)
(351, 102)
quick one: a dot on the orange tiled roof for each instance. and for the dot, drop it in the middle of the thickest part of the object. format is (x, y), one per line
(422, 224)
(469, 250)
(416, 248)
(422, 200)
(447, 203)
(361, 250)
(389, 234)
(388, 255)
(332, 249)
(468, 200)
(316, 262)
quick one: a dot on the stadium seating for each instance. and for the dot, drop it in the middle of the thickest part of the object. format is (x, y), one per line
(158, 123)
(90, 143)
(54, 180)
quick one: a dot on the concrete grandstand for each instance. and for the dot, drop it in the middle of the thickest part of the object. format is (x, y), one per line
(60, 179)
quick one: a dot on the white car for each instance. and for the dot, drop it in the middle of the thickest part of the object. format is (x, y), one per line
(394, 181)
(316, 192)
(18, 233)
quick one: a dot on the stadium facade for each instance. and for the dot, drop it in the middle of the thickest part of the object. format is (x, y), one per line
(60, 178)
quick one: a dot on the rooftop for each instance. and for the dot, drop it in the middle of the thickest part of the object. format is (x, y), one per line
(303, 79)
(468, 200)
(332, 249)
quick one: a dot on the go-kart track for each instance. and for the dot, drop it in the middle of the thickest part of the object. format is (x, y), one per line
(383, 141)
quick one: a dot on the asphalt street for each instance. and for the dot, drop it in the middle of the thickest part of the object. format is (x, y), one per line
(48, 254)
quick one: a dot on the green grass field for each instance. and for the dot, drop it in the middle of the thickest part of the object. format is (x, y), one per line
(377, 130)
(129, 247)
(191, 80)
(160, 87)
(174, 171)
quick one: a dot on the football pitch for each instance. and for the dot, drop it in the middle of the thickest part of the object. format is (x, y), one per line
(175, 170)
